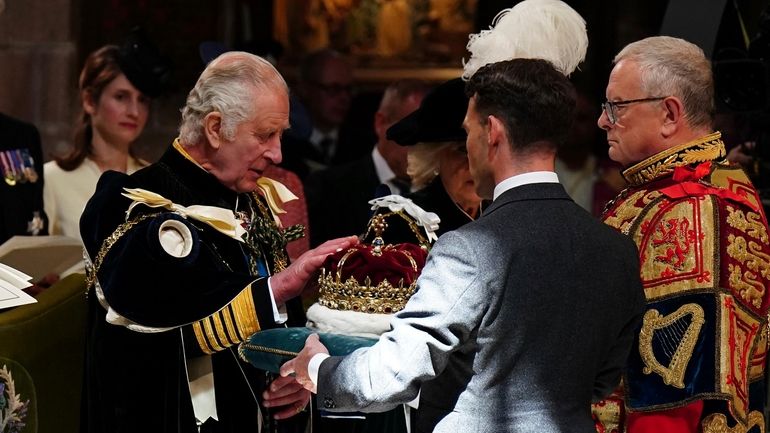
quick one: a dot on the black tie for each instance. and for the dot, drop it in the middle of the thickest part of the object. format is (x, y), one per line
(326, 148)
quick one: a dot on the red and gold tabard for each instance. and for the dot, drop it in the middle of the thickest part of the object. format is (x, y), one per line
(705, 265)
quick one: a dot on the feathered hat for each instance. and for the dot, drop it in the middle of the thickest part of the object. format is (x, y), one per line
(534, 29)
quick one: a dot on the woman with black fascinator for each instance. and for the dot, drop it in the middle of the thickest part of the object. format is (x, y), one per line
(116, 86)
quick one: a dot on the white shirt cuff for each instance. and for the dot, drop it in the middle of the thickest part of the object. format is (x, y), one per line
(279, 311)
(314, 365)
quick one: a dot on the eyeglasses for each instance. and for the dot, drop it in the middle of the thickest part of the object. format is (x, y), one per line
(334, 89)
(610, 107)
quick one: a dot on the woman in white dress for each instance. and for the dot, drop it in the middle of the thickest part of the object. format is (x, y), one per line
(115, 85)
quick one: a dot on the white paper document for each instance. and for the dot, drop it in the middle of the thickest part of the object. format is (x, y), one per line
(12, 282)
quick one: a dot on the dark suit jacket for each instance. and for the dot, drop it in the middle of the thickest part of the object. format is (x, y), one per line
(20, 203)
(521, 318)
(302, 158)
(337, 200)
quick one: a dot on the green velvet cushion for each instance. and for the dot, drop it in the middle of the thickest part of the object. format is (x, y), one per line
(47, 340)
(269, 349)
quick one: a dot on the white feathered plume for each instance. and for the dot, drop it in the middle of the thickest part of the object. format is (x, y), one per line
(533, 29)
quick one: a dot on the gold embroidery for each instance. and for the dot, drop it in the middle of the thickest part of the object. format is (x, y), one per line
(757, 366)
(750, 223)
(209, 332)
(114, 237)
(245, 313)
(706, 148)
(732, 178)
(684, 339)
(746, 285)
(201, 338)
(738, 329)
(219, 327)
(751, 255)
(674, 242)
(676, 247)
(627, 211)
(606, 413)
(717, 423)
(229, 325)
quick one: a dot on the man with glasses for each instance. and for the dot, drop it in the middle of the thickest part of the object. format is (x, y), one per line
(702, 235)
(325, 87)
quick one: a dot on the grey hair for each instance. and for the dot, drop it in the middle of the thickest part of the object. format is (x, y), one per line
(397, 94)
(423, 162)
(674, 67)
(228, 85)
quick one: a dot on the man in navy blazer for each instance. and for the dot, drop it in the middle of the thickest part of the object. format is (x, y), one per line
(522, 317)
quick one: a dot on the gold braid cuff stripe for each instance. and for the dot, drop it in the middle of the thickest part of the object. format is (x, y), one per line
(228, 326)
(708, 148)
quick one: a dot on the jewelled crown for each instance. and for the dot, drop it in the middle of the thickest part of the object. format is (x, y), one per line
(374, 277)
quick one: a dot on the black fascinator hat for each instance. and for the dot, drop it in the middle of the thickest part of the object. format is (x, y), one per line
(143, 64)
(439, 118)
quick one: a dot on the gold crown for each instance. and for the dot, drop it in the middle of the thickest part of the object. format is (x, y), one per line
(375, 278)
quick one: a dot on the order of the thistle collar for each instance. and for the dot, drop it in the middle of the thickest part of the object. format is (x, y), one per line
(708, 148)
(262, 232)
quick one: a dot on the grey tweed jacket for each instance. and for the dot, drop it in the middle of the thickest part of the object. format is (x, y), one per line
(521, 319)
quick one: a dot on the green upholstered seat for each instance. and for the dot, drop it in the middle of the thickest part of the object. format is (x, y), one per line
(45, 342)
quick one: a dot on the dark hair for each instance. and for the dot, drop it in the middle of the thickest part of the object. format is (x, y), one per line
(144, 67)
(535, 102)
(100, 69)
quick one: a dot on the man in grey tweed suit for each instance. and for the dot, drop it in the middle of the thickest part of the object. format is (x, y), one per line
(522, 317)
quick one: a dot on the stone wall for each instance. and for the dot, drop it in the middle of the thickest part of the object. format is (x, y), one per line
(38, 42)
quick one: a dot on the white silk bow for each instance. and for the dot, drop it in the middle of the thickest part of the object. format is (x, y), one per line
(276, 194)
(428, 220)
(221, 219)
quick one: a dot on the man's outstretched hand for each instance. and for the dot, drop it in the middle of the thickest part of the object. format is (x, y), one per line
(290, 282)
(298, 366)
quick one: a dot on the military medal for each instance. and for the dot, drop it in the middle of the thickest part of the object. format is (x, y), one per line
(29, 165)
(18, 166)
(8, 174)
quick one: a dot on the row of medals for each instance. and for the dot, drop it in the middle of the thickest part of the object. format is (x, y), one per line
(17, 166)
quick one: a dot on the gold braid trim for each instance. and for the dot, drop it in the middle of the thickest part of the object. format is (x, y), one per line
(218, 331)
(653, 321)
(219, 327)
(708, 148)
(209, 333)
(198, 330)
(245, 313)
(229, 324)
(717, 423)
(108, 243)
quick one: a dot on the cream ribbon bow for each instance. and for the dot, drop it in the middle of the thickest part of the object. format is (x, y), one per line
(221, 219)
(428, 220)
(276, 194)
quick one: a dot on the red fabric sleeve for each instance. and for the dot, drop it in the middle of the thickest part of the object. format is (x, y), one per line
(680, 420)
